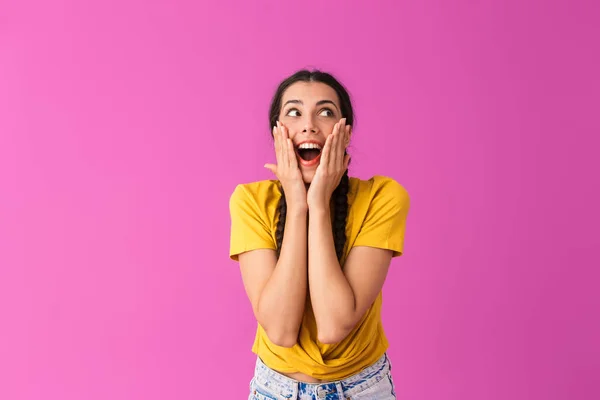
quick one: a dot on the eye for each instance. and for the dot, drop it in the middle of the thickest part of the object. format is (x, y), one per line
(326, 110)
(291, 110)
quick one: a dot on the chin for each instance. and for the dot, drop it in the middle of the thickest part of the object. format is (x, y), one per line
(307, 177)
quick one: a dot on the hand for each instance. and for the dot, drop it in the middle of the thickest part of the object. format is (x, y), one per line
(287, 170)
(333, 165)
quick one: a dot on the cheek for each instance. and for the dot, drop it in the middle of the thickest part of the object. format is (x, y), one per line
(327, 129)
(292, 124)
(327, 135)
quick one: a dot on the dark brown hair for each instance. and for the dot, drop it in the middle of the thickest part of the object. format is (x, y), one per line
(340, 194)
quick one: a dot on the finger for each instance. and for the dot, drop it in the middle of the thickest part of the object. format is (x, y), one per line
(284, 147)
(342, 138)
(272, 168)
(347, 138)
(341, 146)
(281, 159)
(333, 153)
(276, 135)
(291, 154)
(327, 147)
(338, 160)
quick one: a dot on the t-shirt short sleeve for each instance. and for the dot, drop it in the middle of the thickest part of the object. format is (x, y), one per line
(250, 227)
(385, 222)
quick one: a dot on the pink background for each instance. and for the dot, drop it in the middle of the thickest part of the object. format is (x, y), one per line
(125, 126)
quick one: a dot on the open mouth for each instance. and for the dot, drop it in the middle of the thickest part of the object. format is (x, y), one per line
(309, 153)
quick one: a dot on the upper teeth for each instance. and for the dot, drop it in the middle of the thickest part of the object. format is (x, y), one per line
(309, 146)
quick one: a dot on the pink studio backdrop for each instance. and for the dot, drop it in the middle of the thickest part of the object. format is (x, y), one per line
(125, 126)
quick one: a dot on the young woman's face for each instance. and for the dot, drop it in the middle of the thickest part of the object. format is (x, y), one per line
(309, 111)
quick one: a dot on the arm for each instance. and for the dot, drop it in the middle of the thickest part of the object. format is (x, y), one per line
(341, 298)
(277, 288)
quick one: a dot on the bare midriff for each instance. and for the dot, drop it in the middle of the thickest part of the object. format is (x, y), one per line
(299, 376)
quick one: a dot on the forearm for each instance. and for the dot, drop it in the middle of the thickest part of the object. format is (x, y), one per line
(281, 304)
(331, 295)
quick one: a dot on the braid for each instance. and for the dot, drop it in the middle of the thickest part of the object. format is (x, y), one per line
(340, 202)
(282, 208)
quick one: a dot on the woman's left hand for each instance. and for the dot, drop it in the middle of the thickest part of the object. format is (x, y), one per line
(333, 164)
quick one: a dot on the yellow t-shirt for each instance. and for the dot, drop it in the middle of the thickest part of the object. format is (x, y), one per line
(377, 213)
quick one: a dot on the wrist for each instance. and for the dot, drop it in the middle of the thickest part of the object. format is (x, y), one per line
(297, 209)
(319, 207)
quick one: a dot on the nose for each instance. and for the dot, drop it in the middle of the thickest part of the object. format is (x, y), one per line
(309, 126)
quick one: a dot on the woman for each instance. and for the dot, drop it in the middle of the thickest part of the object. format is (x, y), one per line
(314, 247)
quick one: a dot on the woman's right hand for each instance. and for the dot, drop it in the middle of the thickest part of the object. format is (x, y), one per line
(287, 170)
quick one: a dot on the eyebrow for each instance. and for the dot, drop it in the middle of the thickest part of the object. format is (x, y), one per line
(320, 102)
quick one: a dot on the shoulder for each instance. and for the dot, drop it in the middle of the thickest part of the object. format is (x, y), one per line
(261, 194)
(262, 188)
(380, 188)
